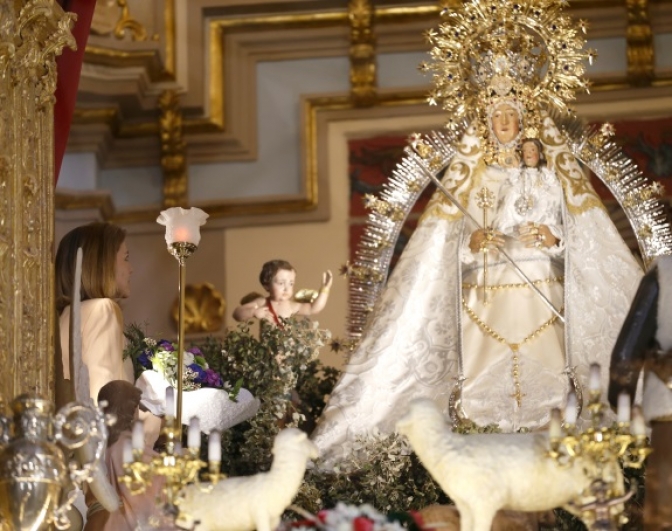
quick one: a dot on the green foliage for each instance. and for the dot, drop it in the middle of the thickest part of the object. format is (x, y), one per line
(282, 370)
(380, 470)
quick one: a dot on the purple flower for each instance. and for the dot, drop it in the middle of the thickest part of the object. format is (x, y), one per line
(200, 373)
(213, 379)
(145, 360)
(195, 351)
(166, 345)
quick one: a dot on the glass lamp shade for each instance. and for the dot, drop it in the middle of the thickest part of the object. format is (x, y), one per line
(182, 224)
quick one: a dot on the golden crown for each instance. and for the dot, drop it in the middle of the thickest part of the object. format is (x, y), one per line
(526, 51)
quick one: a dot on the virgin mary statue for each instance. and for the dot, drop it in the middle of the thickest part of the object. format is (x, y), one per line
(515, 279)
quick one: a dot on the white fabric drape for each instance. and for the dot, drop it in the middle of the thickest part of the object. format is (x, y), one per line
(418, 329)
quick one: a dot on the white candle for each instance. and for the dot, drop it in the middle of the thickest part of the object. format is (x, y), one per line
(638, 425)
(178, 448)
(623, 409)
(594, 380)
(170, 402)
(570, 410)
(127, 451)
(215, 446)
(75, 346)
(138, 435)
(555, 426)
(194, 433)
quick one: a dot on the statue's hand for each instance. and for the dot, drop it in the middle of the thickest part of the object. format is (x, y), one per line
(263, 312)
(486, 239)
(327, 279)
(536, 235)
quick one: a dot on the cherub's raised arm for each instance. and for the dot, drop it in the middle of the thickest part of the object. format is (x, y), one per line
(322, 297)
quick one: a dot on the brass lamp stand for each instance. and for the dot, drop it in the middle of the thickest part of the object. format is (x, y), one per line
(181, 251)
(177, 467)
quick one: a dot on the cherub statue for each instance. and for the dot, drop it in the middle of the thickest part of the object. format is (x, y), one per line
(278, 277)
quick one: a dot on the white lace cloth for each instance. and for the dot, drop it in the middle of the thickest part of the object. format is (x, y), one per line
(213, 407)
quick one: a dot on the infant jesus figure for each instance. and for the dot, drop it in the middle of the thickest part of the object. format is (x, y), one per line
(529, 208)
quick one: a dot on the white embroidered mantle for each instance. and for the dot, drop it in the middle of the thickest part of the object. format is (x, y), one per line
(418, 330)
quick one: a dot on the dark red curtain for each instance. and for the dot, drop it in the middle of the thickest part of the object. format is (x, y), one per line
(69, 67)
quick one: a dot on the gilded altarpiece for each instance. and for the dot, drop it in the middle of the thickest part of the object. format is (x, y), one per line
(32, 33)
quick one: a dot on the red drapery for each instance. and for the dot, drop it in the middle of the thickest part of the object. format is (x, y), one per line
(69, 67)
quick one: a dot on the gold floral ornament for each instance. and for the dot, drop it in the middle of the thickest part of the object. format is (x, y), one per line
(342, 345)
(204, 308)
(371, 202)
(526, 53)
(367, 274)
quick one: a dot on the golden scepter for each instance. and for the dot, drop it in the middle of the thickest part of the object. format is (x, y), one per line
(485, 199)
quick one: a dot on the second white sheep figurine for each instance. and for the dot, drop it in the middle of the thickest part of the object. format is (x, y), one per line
(483, 473)
(252, 502)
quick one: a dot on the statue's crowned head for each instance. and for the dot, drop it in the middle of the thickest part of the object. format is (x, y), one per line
(494, 54)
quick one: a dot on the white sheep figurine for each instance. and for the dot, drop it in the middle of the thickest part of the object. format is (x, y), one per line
(483, 473)
(251, 502)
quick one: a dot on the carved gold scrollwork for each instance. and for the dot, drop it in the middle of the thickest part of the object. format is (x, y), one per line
(127, 22)
(32, 34)
(114, 16)
(204, 308)
(363, 80)
(173, 151)
(640, 43)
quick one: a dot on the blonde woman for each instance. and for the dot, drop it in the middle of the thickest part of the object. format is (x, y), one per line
(106, 275)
